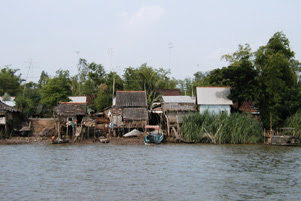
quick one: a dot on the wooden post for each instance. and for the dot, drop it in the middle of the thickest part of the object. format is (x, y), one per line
(94, 132)
(67, 135)
(59, 129)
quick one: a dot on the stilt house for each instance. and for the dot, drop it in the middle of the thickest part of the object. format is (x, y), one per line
(11, 121)
(130, 111)
(174, 108)
(70, 115)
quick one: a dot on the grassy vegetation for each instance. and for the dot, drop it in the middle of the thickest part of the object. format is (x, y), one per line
(294, 121)
(221, 128)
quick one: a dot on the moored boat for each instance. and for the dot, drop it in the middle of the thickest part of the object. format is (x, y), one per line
(285, 137)
(59, 141)
(153, 137)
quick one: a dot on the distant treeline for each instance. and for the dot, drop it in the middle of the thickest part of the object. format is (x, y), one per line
(269, 77)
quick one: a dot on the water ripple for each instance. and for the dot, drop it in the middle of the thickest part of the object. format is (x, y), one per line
(164, 172)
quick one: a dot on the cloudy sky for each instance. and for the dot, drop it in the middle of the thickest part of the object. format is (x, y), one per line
(183, 36)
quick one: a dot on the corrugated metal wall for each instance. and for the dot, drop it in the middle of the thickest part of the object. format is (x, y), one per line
(214, 108)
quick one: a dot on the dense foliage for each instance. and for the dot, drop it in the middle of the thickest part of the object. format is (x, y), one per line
(279, 91)
(221, 128)
(9, 81)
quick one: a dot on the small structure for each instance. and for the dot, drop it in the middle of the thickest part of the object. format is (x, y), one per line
(78, 99)
(11, 102)
(248, 107)
(129, 112)
(12, 121)
(172, 110)
(70, 116)
(213, 99)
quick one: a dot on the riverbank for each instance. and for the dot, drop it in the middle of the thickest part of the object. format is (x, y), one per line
(32, 140)
(24, 140)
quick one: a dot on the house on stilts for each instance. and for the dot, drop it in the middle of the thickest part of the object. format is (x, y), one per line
(171, 111)
(130, 112)
(70, 117)
(12, 122)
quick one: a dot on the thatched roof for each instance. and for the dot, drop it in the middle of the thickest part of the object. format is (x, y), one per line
(4, 108)
(71, 109)
(131, 99)
(135, 114)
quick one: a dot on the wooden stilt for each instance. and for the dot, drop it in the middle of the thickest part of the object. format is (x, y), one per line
(67, 134)
(94, 133)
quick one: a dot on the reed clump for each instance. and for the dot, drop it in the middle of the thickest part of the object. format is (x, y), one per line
(221, 128)
(294, 121)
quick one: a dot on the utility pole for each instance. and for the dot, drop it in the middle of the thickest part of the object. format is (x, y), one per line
(113, 88)
(170, 46)
(30, 63)
(78, 68)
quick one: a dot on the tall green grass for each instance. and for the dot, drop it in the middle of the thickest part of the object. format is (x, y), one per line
(294, 121)
(221, 128)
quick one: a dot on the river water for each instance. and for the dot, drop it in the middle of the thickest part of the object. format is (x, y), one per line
(138, 172)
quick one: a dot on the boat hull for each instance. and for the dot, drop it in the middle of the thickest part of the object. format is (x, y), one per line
(60, 141)
(285, 140)
(153, 138)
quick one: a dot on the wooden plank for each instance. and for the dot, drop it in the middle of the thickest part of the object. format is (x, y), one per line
(176, 133)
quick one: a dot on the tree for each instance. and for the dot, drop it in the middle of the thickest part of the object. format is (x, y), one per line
(145, 78)
(105, 91)
(43, 79)
(186, 86)
(56, 89)
(82, 68)
(279, 92)
(104, 98)
(240, 75)
(28, 101)
(201, 79)
(9, 81)
(95, 75)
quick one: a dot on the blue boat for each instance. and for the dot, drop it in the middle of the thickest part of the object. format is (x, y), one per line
(153, 137)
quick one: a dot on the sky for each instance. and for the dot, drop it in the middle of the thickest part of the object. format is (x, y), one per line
(182, 36)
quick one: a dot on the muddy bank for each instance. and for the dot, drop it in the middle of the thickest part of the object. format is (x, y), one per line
(31, 140)
(112, 140)
(25, 140)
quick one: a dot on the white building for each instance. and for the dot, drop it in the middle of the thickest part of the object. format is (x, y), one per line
(213, 99)
(78, 99)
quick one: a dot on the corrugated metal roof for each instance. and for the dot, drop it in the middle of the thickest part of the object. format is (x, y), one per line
(11, 102)
(4, 107)
(213, 96)
(178, 99)
(78, 99)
